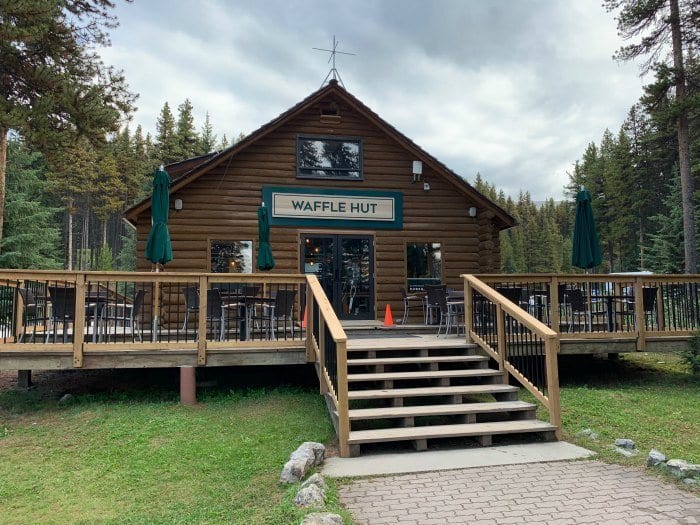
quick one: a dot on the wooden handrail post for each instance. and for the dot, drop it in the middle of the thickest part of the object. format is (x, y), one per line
(639, 314)
(554, 318)
(19, 309)
(202, 321)
(343, 402)
(79, 321)
(502, 343)
(660, 319)
(468, 310)
(308, 313)
(156, 311)
(551, 349)
(321, 352)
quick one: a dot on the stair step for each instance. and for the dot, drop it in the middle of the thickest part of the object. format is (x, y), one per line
(436, 374)
(431, 391)
(417, 360)
(439, 410)
(387, 346)
(445, 431)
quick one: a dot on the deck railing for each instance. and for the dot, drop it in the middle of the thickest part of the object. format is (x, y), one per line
(595, 306)
(523, 346)
(327, 346)
(82, 312)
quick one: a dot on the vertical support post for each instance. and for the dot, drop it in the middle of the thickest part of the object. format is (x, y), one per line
(639, 315)
(19, 309)
(24, 379)
(551, 349)
(502, 343)
(156, 308)
(202, 321)
(468, 309)
(343, 402)
(188, 385)
(660, 308)
(321, 352)
(554, 315)
(79, 321)
(308, 313)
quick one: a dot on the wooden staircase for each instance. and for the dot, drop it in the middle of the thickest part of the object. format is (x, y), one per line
(399, 392)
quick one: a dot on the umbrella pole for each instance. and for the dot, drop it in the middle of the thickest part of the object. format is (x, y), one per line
(156, 308)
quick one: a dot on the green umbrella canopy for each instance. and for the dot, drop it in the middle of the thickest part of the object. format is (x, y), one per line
(158, 248)
(265, 259)
(586, 248)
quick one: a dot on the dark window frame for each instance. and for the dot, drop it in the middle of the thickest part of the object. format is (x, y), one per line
(334, 138)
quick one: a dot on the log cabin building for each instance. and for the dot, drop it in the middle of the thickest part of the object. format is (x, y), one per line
(350, 198)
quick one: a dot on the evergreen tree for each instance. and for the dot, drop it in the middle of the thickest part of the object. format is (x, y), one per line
(207, 138)
(31, 238)
(665, 253)
(187, 139)
(167, 147)
(53, 84)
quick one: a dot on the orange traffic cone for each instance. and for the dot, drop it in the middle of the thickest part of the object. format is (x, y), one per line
(388, 317)
(303, 321)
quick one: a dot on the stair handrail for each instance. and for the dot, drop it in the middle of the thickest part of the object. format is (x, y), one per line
(519, 329)
(327, 347)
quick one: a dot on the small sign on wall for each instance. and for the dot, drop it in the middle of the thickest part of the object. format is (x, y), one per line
(334, 208)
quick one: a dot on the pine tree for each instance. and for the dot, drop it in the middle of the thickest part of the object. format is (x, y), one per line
(665, 253)
(187, 139)
(167, 147)
(207, 138)
(53, 84)
(31, 238)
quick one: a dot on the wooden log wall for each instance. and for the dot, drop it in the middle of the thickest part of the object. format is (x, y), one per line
(223, 203)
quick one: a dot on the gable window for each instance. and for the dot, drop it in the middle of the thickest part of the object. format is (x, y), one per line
(329, 158)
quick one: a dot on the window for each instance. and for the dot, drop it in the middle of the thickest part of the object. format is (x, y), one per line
(232, 256)
(329, 158)
(423, 264)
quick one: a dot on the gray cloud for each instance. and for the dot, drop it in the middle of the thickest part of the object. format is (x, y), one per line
(512, 89)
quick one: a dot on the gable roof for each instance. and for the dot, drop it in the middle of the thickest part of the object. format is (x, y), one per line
(210, 161)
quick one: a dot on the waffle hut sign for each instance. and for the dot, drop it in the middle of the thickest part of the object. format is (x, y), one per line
(328, 207)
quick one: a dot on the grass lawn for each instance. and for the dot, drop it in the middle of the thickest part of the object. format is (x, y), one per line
(650, 398)
(142, 458)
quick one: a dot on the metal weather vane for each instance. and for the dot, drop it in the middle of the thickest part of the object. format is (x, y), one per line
(331, 58)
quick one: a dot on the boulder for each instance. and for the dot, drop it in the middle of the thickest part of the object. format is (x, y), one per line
(66, 399)
(691, 481)
(310, 495)
(308, 455)
(682, 469)
(322, 518)
(628, 453)
(587, 433)
(655, 458)
(625, 443)
(317, 480)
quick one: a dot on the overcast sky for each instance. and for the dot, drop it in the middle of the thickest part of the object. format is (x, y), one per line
(513, 89)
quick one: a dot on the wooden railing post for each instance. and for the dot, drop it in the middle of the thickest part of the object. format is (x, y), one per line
(321, 351)
(343, 402)
(468, 310)
(660, 308)
(639, 315)
(308, 314)
(202, 321)
(551, 349)
(156, 310)
(79, 321)
(19, 310)
(501, 341)
(554, 318)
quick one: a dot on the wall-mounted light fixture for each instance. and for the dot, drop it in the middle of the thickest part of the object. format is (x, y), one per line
(472, 211)
(426, 186)
(178, 204)
(417, 170)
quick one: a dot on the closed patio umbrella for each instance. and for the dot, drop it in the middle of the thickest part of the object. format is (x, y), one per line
(586, 249)
(265, 259)
(158, 247)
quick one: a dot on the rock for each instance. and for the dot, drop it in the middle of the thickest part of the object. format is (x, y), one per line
(655, 458)
(322, 518)
(691, 481)
(317, 480)
(308, 455)
(682, 469)
(311, 495)
(625, 443)
(626, 452)
(587, 433)
(66, 399)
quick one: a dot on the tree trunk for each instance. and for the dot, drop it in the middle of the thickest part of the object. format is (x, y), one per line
(104, 233)
(3, 171)
(70, 235)
(687, 183)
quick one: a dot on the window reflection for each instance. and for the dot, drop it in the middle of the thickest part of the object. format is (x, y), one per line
(232, 256)
(423, 264)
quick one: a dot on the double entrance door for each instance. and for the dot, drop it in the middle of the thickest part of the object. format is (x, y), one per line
(344, 265)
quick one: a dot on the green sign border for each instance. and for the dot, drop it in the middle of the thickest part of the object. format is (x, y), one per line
(396, 224)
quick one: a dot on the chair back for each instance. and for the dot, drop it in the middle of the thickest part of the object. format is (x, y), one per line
(138, 304)
(433, 297)
(284, 302)
(403, 292)
(191, 294)
(513, 294)
(250, 290)
(214, 303)
(437, 296)
(27, 297)
(576, 300)
(649, 298)
(62, 302)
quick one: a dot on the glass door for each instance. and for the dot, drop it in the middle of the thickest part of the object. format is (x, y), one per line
(344, 267)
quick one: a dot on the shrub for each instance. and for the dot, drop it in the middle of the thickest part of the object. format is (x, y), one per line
(691, 356)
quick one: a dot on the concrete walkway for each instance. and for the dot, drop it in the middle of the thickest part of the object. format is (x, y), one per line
(549, 493)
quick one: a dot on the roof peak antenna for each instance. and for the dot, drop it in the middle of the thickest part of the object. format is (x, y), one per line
(331, 58)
